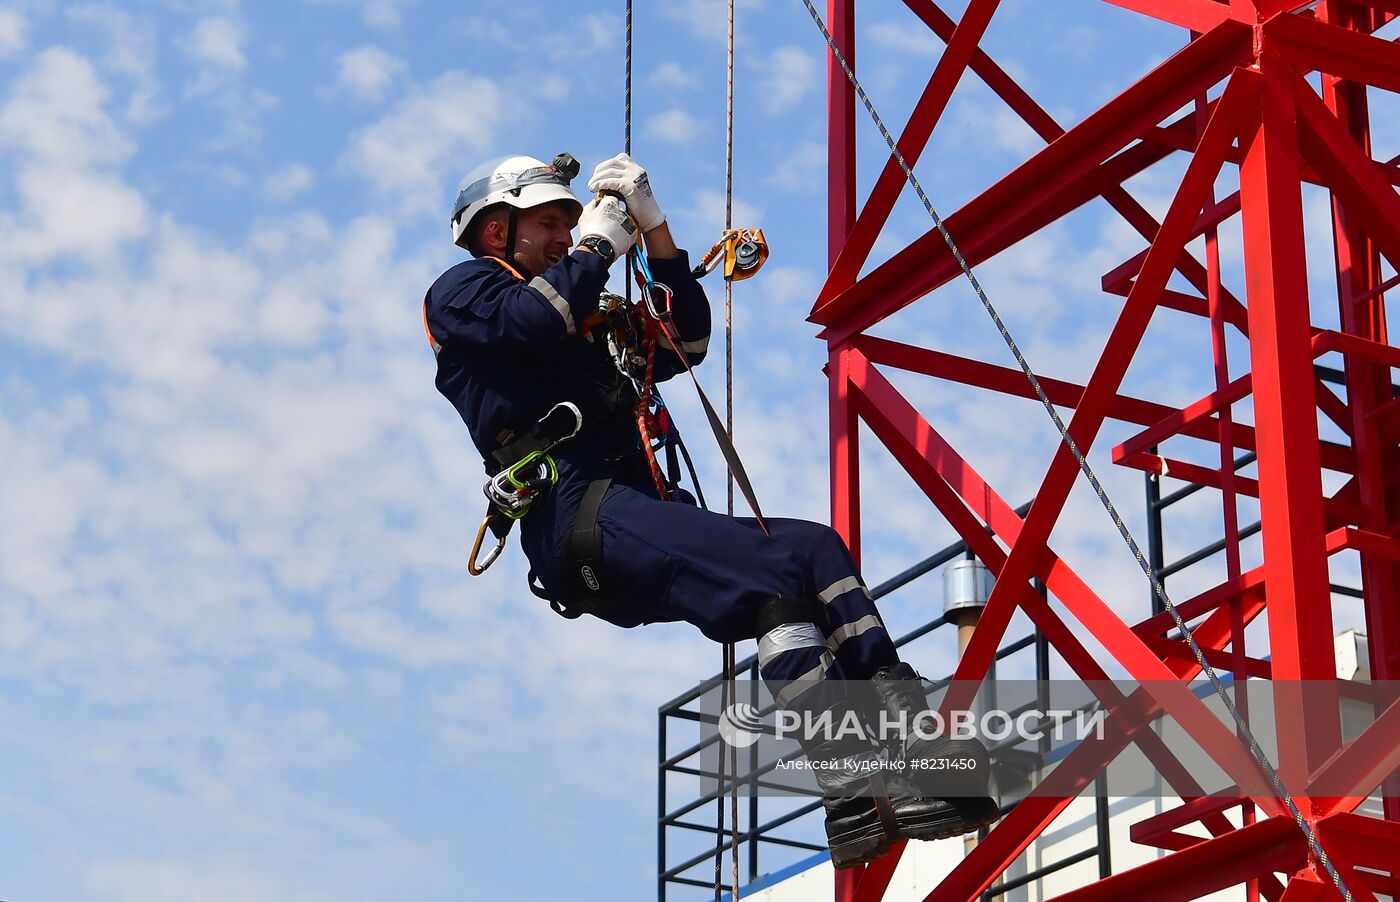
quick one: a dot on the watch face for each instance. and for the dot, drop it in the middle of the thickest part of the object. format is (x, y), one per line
(604, 247)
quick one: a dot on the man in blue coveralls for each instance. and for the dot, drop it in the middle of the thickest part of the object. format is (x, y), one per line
(509, 329)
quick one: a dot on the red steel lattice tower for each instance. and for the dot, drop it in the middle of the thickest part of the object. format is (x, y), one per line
(1260, 60)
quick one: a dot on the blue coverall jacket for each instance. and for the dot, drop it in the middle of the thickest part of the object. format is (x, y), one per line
(509, 348)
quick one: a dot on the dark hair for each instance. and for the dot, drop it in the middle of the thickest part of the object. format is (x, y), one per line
(478, 225)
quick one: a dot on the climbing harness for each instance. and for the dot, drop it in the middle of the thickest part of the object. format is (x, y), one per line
(1242, 728)
(743, 252)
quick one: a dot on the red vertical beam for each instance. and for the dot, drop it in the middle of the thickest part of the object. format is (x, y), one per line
(841, 216)
(1229, 507)
(1362, 309)
(840, 128)
(1368, 384)
(845, 450)
(1290, 477)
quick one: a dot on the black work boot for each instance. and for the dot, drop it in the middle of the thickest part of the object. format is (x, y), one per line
(954, 770)
(869, 804)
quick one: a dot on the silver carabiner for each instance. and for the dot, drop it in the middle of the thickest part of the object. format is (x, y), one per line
(653, 289)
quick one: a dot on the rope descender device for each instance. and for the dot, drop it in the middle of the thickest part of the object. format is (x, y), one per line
(513, 490)
(744, 252)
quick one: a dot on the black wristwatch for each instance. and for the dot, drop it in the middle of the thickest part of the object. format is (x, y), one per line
(600, 246)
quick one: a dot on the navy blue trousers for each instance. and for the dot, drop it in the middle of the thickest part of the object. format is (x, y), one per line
(675, 562)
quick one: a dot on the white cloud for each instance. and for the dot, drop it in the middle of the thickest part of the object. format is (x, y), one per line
(132, 54)
(995, 120)
(64, 144)
(367, 72)
(375, 13)
(601, 30)
(12, 28)
(672, 75)
(788, 76)
(217, 41)
(804, 169)
(551, 87)
(707, 18)
(288, 181)
(706, 213)
(411, 152)
(905, 38)
(674, 126)
(55, 115)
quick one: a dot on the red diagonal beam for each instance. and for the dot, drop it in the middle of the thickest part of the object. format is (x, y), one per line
(902, 443)
(1370, 841)
(1010, 381)
(1189, 472)
(1175, 422)
(1274, 844)
(1362, 764)
(927, 457)
(1172, 84)
(1348, 171)
(988, 229)
(1180, 134)
(1120, 278)
(922, 121)
(1243, 588)
(876, 876)
(986, 68)
(1156, 830)
(1108, 375)
(1325, 340)
(1189, 420)
(1310, 44)
(1196, 15)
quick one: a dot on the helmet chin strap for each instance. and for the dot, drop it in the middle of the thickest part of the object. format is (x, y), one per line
(512, 223)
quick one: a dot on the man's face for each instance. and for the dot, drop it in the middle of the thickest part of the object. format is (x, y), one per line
(542, 235)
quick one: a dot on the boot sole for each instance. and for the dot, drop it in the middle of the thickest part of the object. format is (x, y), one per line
(868, 840)
(961, 817)
(858, 845)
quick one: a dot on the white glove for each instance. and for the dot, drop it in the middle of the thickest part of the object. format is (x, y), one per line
(604, 216)
(623, 176)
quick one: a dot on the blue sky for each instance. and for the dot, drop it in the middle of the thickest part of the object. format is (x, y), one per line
(240, 656)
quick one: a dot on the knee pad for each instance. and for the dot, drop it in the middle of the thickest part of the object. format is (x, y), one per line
(776, 612)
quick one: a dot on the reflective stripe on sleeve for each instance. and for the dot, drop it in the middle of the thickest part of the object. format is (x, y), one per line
(698, 346)
(556, 300)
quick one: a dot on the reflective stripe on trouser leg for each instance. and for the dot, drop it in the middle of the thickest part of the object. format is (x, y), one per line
(865, 648)
(796, 664)
(857, 633)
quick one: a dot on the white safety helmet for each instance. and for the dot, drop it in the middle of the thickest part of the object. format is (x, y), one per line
(521, 182)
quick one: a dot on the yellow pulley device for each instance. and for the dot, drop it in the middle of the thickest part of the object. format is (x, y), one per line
(744, 252)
